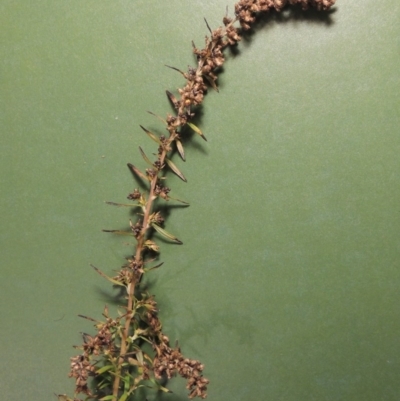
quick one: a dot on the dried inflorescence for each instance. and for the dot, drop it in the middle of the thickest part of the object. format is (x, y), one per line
(169, 361)
(115, 355)
(83, 365)
(81, 368)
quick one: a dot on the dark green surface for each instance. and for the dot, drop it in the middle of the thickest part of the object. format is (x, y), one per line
(287, 286)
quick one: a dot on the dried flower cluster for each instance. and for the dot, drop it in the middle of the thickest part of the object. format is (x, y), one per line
(116, 355)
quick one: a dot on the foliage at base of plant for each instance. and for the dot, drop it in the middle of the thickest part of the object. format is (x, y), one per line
(131, 351)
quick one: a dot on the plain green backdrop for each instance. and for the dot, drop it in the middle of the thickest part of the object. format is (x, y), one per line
(287, 286)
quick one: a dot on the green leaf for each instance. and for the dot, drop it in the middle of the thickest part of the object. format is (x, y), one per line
(181, 151)
(127, 381)
(104, 369)
(160, 387)
(115, 282)
(196, 130)
(124, 397)
(147, 340)
(107, 398)
(164, 389)
(151, 135)
(166, 234)
(136, 171)
(103, 385)
(175, 169)
(146, 159)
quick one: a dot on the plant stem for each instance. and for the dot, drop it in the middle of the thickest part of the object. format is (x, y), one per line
(139, 259)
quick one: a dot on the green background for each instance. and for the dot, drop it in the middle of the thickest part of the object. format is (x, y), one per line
(287, 285)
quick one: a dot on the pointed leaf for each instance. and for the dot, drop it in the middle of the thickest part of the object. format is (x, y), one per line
(63, 397)
(107, 398)
(164, 389)
(173, 99)
(196, 130)
(88, 318)
(176, 69)
(118, 232)
(146, 159)
(154, 267)
(136, 171)
(208, 26)
(175, 169)
(145, 339)
(155, 115)
(104, 369)
(115, 282)
(124, 397)
(166, 234)
(179, 200)
(181, 151)
(151, 135)
(148, 358)
(159, 386)
(124, 204)
(133, 361)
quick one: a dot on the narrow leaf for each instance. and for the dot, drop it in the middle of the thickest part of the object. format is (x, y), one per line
(119, 232)
(166, 234)
(124, 204)
(173, 99)
(63, 397)
(176, 69)
(115, 282)
(208, 26)
(151, 135)
(136, 171)
(107, 398)
(181, 151)
(133, 361)
(164, 389)
(146, 159)
(154, 267)
(124, 397)
(88, 318)
(103, 384)
(159, 386)
(155, 115)
(175, 169)
(104, 369)
(196, 130)
(179, 200)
